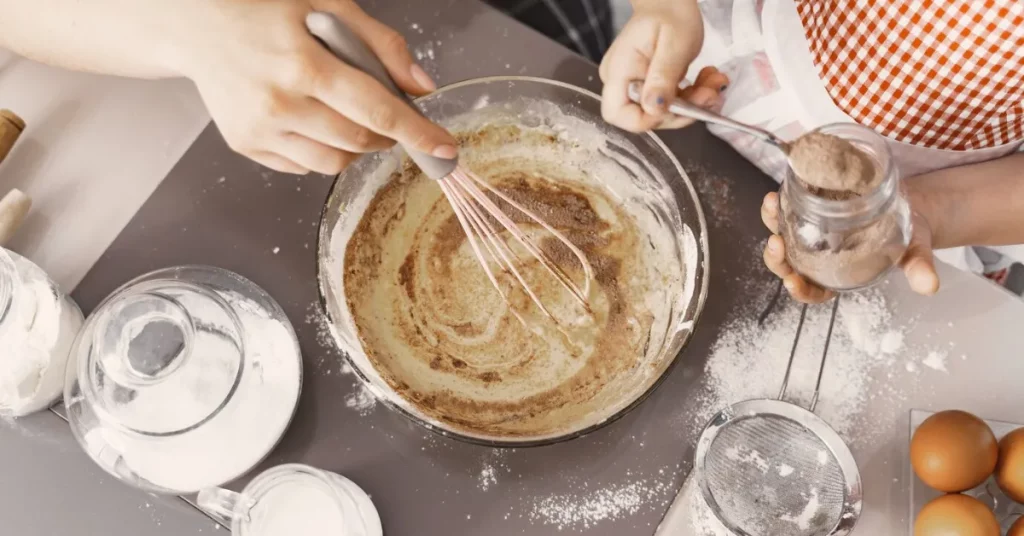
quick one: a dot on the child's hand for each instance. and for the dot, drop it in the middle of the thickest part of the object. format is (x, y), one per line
(918, 263)
(657, 46)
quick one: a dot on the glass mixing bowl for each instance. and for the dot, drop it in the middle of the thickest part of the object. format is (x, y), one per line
(654, 181)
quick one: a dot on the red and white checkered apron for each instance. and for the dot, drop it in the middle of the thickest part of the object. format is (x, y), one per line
(944, 74)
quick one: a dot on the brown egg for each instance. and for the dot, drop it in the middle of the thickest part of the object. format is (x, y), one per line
(956, 515)
(953, 451)
(1017, 529)
(1010, 470)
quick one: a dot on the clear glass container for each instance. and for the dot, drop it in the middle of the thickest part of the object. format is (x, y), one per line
(656, 181)
(38, 325)
(294, 500)
(186, 378)
(845, 242)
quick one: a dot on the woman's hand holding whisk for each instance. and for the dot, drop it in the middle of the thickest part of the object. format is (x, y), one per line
(277, 96)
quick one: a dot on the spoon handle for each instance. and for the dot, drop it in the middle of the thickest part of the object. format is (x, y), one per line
(685, 108)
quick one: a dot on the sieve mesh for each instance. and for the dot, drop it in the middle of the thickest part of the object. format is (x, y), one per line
(769, 475)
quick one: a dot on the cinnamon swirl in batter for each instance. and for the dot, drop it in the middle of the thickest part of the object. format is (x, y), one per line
(440, 335)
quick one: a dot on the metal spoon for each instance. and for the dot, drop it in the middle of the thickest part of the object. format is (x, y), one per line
(687, 109)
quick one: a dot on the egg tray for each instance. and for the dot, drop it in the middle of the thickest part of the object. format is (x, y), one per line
(1006, 509)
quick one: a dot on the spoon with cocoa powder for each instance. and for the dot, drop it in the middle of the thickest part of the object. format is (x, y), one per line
(823, 161)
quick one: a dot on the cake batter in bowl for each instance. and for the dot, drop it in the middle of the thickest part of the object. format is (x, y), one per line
(428, 334)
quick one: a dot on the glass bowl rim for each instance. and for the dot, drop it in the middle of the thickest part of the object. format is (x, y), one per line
(703, 271)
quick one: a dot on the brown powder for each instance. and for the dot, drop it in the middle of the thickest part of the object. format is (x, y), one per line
(833, 164)
(834, 254)
(843, 258)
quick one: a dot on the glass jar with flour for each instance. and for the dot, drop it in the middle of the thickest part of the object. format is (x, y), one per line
(294, 500)
(846, 239)
(38, 324)
(186, 378)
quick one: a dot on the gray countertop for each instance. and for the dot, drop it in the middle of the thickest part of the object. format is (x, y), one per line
(217, 208)
(425, 484)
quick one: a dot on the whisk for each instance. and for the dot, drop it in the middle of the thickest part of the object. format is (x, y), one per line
(481, 218)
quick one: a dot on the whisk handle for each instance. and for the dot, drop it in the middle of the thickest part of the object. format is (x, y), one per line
(349, 48)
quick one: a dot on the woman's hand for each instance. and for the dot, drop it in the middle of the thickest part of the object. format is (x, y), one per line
(282, 99)
(657, 46)
(918, 262)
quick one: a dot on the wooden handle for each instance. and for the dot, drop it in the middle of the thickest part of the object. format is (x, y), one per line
(11, 127)
(13, 208)
(15, 205)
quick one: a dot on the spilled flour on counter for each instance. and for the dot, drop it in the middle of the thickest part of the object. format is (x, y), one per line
(748, 361)
(488, 477)
(936, 361)
(579, 512)
(360, 399)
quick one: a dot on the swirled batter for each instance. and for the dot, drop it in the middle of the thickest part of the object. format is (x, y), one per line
(440, 335)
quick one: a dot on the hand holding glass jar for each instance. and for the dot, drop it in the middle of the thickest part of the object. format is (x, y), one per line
(825, 242)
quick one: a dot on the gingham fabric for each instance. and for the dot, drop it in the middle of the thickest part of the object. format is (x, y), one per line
(582, 25)
(945, 74)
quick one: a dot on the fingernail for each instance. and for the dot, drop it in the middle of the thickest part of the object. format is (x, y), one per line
(790, 285)
(422, 78)
(656, 101)
(773, 247)
(445, 151)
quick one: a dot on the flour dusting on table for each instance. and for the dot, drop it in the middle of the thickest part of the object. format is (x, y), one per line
(748, 361)
(581, 511)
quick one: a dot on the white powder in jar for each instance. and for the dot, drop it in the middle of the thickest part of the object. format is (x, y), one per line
(239, 436)
(36, 337)
(298, 508)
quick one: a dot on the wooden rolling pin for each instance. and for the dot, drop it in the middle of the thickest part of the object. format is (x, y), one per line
(14, 206)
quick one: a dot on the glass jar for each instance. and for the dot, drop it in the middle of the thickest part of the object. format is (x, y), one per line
(847, 242)
(38, 325)
(186, 378)
(296, 500)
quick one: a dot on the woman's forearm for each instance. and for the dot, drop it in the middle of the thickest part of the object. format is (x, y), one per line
(119, 37)
(974, 205)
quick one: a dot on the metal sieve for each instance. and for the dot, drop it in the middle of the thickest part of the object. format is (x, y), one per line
(770, 467)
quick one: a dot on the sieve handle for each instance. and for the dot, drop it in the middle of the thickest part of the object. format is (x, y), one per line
(350, 48)
(792, 351)
(824, 353)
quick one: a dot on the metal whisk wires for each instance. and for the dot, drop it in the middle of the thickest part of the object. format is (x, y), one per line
(477, 212)
(467, 193)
